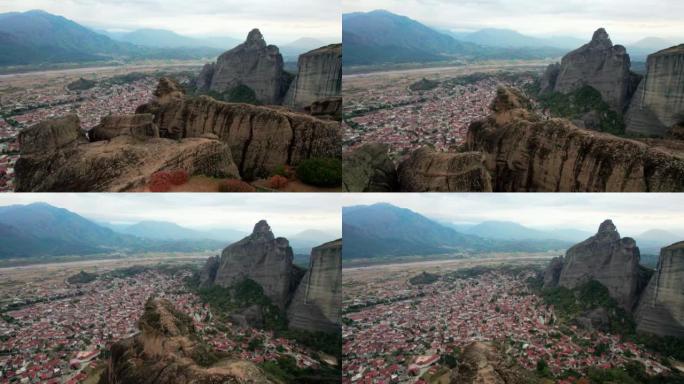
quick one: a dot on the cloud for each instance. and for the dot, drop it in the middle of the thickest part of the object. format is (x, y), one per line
(280, 21)
(626, 20)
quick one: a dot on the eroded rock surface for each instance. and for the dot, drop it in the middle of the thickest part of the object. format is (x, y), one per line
(658, 102)
(661, 308)
(52, 135)
(208, 272)
(608, 259)
(140, 126)
(319, 76)
(369, 169)
(552, 272)
(317, 303)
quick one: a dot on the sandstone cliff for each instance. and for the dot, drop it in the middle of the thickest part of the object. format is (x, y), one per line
(658, 103)
(661, 307)
(317, 303)
(67, 163)
(369, 169)
(427, 170)
(165, 352)
(553, 271)
(208, 272)
(599, 64)
(608, 259)
(260, 257)
(260, 138)
(319, 77)
(253, 64)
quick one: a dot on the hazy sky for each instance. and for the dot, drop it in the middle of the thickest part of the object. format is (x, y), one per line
(286, 213)
(279, 21)
(632, 213)
(625, 20)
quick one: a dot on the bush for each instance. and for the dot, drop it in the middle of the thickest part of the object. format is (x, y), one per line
(321, 172)
(179, 177)
(277, 182)
(235, 185)
(162, 181)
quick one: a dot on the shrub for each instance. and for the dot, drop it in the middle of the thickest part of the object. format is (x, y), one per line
(179, 177)
(160, 182)
(235, 185)
(277, 182)
(321, 172)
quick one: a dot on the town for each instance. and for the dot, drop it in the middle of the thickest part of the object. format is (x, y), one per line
(395, 332)
(61, 332)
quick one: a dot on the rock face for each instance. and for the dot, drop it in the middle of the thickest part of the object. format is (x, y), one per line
(165, 350)
(208, 272)
(428, 170)
(52, 135)
(260, 257)
(552, 272)
(661, 308)
(317, 303)
(330, 107)
(599, 64)
(548, 81)
(253, 64)
(369, 169)
(658, 102)
(608, 259)
(319, 76)
(260, 138)
(524, 153)
(120, 164)
(140, 126)
(482, 363)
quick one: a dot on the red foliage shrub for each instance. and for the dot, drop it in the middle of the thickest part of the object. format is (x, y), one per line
(179, 177)
(235, 185)
(162, 181)
(277, 182)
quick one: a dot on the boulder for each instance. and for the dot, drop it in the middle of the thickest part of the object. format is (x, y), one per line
(319, 76)
(250, 317)
(658, 102)
(51, 135)
(330, 107)
(661, 307)
(369, 169)
(608, 259)
(139, 126)
(427, 170)
(317, 303)
(262, 258)
(594, 319)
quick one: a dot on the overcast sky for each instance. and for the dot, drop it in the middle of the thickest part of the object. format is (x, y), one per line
(632, 213)
(279, 21)
(286, 213)
(625, 20)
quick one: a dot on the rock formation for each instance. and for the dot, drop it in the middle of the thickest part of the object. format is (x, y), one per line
(369, 169)
(661, 307)
(548, 80)
(428, 170)
(608, 259)
(140, 126)
(599, 64)
(253, 64)
(483, 363)
(330, 108)
(658, 103)
(552, 272)
(165, 352)
(260, 257)
(208, 272)
(260, 138)
(317, 303)
(57, 158)
(319, 76)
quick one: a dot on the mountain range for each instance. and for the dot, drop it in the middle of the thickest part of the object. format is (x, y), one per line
(383, 230)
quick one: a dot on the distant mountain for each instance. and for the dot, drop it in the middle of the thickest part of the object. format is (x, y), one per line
(302, 242)
(506, 230)
(162, 230)
(508, 38)
(653, 240)
(38, 37)
(291, 51)
(383, 37)
(162, 38)
(386, 230)
(639, 50)
(39, 229)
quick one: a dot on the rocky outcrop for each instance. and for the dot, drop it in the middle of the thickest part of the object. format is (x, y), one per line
(599, 64)
(167, 351)
(524, 153)
(369, 169)
(317, 303)
(262, 258)
(428, 170)
(208, 272)
(658, 103)
(608, 259)
(140, 126)
(330, 108)
(661, 307)
(121, 164)
(483, 363)
(52, 135)
(548, 80)
(319, 76)
(260, 138)
(253, 64)
(552, 272)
